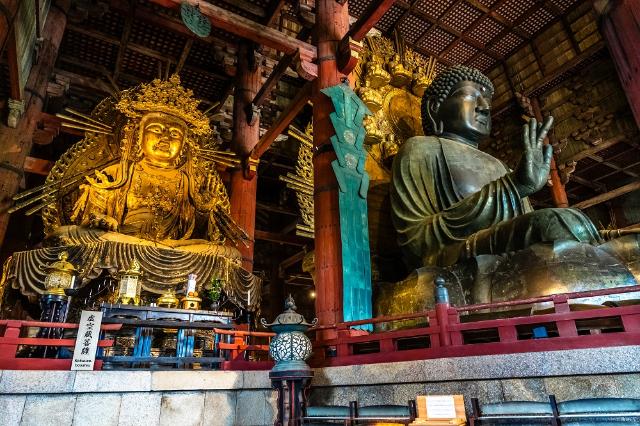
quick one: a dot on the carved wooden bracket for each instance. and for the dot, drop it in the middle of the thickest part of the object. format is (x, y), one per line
(250, 167)
(348, 54)
(305, 67)
(252, 112)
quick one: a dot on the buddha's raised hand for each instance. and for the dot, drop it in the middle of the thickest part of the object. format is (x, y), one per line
(533, 169)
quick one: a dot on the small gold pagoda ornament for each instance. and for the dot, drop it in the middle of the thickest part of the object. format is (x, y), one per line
(130, 284)
(61, 275)
(192, 299)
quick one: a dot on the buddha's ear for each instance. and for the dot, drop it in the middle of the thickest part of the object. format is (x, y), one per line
(432, 115)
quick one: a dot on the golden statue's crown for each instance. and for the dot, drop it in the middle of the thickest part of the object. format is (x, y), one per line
(169, 97)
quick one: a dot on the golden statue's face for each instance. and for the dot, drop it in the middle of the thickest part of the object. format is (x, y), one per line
(162, 137)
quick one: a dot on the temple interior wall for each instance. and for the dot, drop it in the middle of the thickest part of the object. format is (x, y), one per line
(245, 398)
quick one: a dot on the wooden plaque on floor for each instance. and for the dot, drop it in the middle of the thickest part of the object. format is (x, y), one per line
(440, 410)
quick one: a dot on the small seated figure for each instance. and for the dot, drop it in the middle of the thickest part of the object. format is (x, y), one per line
(451, 202)
(157, 194)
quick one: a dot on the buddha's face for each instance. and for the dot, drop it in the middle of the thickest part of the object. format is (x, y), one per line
(467, 111)
(162, 137)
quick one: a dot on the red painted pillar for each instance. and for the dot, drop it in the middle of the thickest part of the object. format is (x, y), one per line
(15, 144)
(246, 134)
(332, 23)
(620, 27)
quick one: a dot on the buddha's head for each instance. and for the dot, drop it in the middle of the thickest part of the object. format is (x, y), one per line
(161, 138)
(458, 104)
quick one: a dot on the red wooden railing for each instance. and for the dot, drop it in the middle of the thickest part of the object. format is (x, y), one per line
(240, 345)
(10, 340)
(444, 336)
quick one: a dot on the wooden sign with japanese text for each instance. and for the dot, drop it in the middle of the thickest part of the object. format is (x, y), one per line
(84, 354)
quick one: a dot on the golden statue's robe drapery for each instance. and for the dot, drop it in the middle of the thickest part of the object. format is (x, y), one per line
(451, 201)
(156, 204)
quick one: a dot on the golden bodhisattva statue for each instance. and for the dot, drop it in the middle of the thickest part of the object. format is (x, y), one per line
(143, 185)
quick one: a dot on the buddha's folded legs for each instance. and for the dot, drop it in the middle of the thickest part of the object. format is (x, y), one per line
(540, 226)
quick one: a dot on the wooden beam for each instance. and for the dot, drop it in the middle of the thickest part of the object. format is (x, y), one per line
(248, 29)
(277, 72)
(272, 12)
(369, 18)
(184, 55)
(37, 166)
(596, 186)
(15, 91)
(124, 39)
(625, 189)
(284, 119)
(275, 208)
(568, 66)
(292, 240)
(290, 261)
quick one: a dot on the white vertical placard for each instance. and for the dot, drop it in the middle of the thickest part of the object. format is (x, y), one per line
(84, 355)
(441, 407)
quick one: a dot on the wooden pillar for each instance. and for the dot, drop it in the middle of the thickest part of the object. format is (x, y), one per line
(332, 22)
(558, 193)
(15, 144)
(8, 9)
(620, 26)
(246, 134)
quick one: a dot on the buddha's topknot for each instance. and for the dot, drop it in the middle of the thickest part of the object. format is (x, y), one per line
(441, 87)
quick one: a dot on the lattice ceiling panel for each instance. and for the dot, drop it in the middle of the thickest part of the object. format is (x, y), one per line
(483, 62)
(507, 44)
(461, 53)
(538, 19)
(563, 5)
(202, 55)
(170, 44)
(203, 85)
(461, 16)
(486, 31)
(436, 40)
(110, 23)
(434, 8)
(139, 65)
(411, 28)
(358, 7)
(390, 18)
(88, 49)
(513, 9)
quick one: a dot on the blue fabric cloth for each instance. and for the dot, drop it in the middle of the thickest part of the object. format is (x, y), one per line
(328, 411)
(516, 407)
(384, 411)
(599, 405)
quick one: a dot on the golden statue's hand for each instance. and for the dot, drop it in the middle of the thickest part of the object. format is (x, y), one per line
(101, 221)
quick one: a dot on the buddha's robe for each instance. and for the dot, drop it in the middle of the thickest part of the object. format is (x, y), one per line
(450, 202)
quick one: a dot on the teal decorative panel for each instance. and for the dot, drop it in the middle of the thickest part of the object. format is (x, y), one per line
(353, 182)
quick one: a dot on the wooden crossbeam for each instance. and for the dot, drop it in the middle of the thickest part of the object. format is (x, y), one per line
(248, 29)
(293, 240)
(37, 166)
(369, 18)
(123, 43)
(284, 119)
(272, 12)
(598, 199)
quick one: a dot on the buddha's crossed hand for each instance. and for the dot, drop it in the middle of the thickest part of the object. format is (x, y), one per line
(533, 169)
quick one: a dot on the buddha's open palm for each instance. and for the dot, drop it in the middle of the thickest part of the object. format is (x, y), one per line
(533, 169)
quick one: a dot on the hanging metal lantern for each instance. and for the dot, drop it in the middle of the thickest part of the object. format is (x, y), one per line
(130, 284)
(290, 348)
(61, 275)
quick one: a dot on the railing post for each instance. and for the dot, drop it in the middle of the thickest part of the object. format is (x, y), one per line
(12, 331)
(566, 328)
(442, 311)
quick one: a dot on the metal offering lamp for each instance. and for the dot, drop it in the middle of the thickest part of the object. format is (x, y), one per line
(290, 348)
(191, 300)
(61, 275)
(130, 284)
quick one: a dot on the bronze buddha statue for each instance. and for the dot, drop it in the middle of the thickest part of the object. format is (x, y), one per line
(462, 213)
(450, 201)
